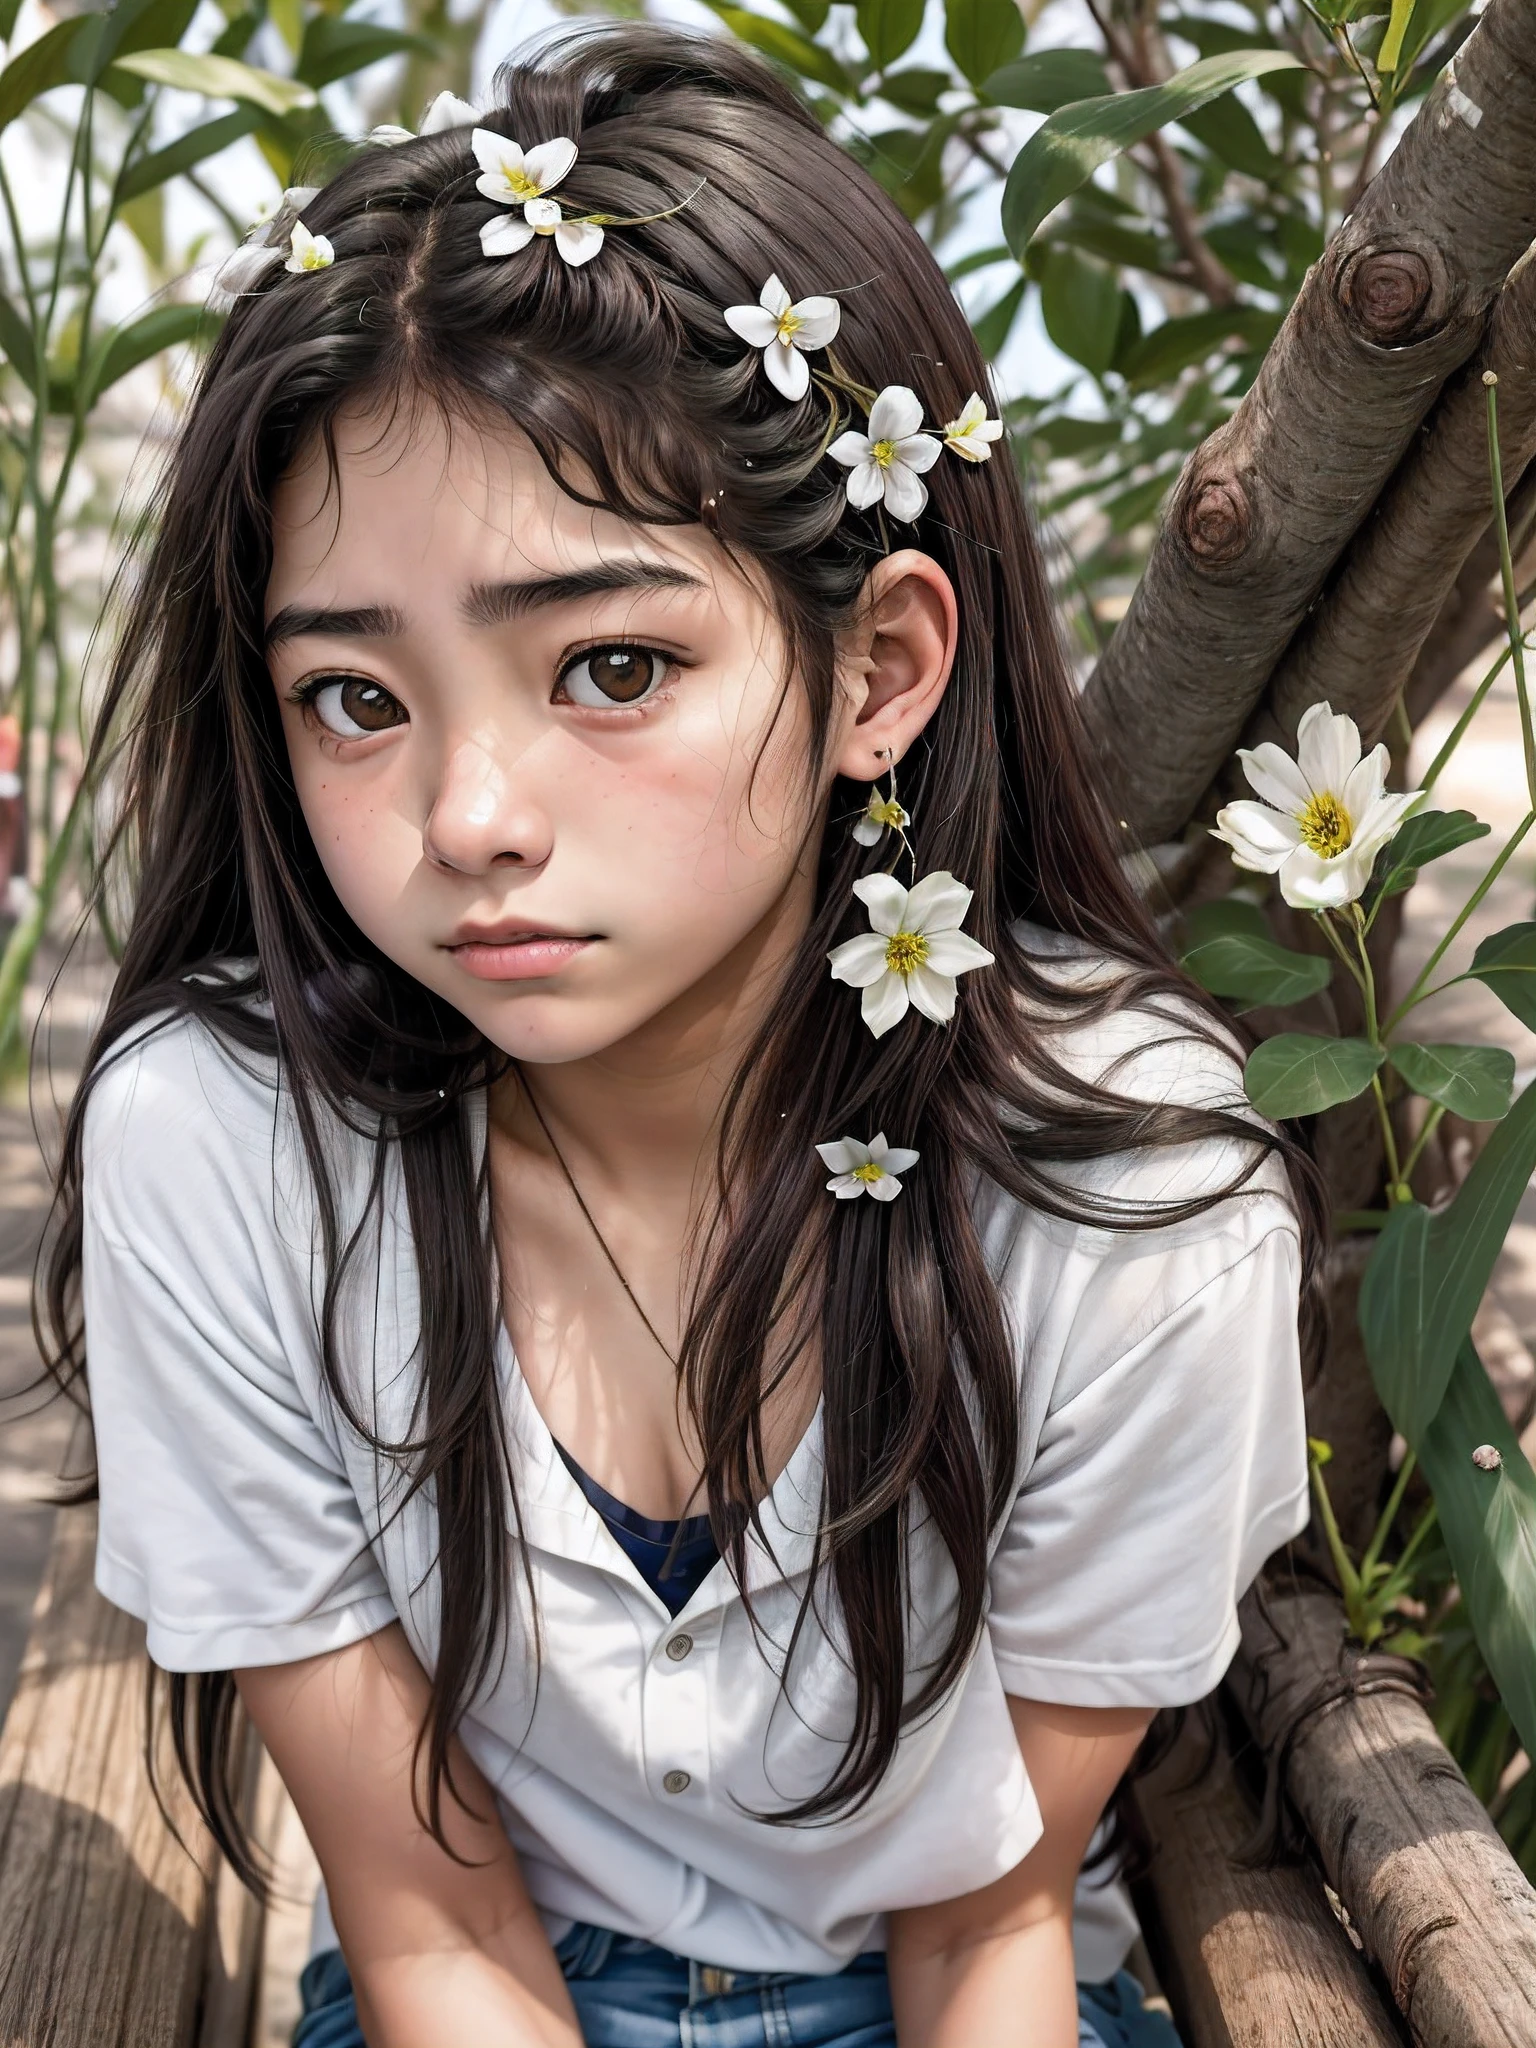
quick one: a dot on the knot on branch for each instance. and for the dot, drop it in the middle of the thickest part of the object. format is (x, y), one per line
(1215, 520)
(1386, 293)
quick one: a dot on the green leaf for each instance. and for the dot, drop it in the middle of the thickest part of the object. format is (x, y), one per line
(9, 9)
(1506, 963)
(978, 259)
(1080, 303)
(218, 78)
(1176, 344)
(982, 35)
(811, 14)
(1296, 1074)
(1249, 969)
(1230, 133)
(1064, 153)
(996, 324)
(39, 68)
(16, 343)
(1488, 1520)
(1390, 55)
(334, 47)
(1068, 436)
(1425, 837)
(785, 45)
(916, 91)
(1224, 916)
(1473, 1081)
(1427, 1276)
(1046, 80)
(889, 28)
(144, 173)
(125, 347)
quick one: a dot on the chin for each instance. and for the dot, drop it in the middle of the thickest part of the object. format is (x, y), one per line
(549, 1031)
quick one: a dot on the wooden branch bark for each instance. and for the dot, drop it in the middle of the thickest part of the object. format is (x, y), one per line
(1266, 505)
(1249, 1958)
(1440, 1904)
(108, 1933)
(1358, 646)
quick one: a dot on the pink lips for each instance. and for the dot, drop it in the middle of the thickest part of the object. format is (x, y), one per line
(521, 956)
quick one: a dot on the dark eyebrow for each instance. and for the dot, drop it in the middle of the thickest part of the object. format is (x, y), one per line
(361, 622)
(493, 604)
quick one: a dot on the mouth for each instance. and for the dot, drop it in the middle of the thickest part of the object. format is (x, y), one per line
(515, 952)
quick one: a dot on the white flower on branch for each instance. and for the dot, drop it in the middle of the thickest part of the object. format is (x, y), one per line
(1323, 817)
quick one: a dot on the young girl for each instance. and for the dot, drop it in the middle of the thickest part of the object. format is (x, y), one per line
(677, 1293)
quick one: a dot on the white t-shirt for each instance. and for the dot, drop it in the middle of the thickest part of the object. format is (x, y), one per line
(1162, 1460)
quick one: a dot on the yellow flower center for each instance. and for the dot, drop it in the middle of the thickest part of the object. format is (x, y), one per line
(869, 1173)
(521, 186)
(904, 952)
(312, 259)
(1326, 826)
(790, 324)
(886, 812)
(883, 452)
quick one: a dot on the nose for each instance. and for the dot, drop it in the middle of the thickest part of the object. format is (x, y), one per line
(483, 815)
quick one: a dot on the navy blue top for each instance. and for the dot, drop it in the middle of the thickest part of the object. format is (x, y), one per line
(673, 1558)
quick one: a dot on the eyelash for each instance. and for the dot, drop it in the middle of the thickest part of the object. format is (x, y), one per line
(305, 692)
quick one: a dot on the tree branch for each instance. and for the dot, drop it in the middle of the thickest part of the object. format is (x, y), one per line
(1263, 509)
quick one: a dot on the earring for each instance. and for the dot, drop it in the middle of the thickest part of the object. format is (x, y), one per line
(882, 813)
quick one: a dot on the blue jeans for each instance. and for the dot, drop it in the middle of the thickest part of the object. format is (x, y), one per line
(632, 1994)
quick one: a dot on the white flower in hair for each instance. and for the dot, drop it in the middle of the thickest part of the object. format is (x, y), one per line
(578, 241)
(881, 814)
(783, 330)
(307, 251)
(244, 268)
(887, 462)
(972, 434)
(446, 111)
(513, 175)
(860, 1169)
(914, 952)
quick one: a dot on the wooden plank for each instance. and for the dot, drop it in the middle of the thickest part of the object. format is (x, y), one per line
(104, 1917)
(1249, 1958)
(1440, 1904)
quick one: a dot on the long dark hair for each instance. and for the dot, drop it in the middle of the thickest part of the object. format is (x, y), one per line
(636, 396)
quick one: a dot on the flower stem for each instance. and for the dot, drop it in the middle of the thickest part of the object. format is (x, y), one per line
(1430, 1126)
(1416, 994)
(1458, 730)
(1511, 598)
(1388, 1517)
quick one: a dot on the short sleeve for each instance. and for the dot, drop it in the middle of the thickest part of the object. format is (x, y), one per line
(1170, 1467)
(228, 1522)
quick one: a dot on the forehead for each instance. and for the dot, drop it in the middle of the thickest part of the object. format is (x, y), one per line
(411, 488)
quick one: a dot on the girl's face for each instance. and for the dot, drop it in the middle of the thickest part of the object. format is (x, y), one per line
(549, 759)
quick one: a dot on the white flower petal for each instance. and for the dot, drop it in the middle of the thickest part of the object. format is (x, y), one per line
(884, 1004)
(548, 162)
(865, 485)
(774, 299)
(819, 320)
(866, 832)
(895, 414)
(578, 240)
(243, 270)
(851, 448)
(932, 994)
(307, 251)
(1308, 882)
(842, 1155)
(919, 452)
(905, 492)
(499, 158)
(787, 369)
(1327, 748)
(1381, 821)
(1366, 783)
(1259, 838)
(859, 961)
(388, 135)
(845, 1187)
(447, 111)
(543, 215)
(885, 1189)
(1274, 776)
(886, 901)
(954, 953)
(752, 324)
(898, 1159)
(505, 235)
(937, 903)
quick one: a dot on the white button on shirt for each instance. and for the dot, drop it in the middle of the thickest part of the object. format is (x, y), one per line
(1162, 1459)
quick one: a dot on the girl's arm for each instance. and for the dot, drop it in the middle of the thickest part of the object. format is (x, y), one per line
(441, 1953)
(996, 1965)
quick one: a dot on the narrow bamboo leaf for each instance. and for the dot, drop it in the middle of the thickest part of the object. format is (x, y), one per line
(1297, 1074)
(9, 9)
(1046, 80)
(785, 45)
(889, 28)
(151, 25)
(1506, 962)
(334, 47)
(1473, 1081)
(1428, 1273)
(39, 68)
(125, 347)
(185, 153)
(1425, 837)
(994, 326)
(978, 259)
(1489, 1523)
(218, 78)
(1390, 55)
(982, 35)
(1080, 304)
(1250, 969)
(16, 343)
(1063, 155)
(1225, 915)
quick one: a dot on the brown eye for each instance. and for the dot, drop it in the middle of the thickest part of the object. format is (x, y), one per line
(351, 707)
(605, 676)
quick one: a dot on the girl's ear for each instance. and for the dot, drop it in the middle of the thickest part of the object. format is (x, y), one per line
(895, 663)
